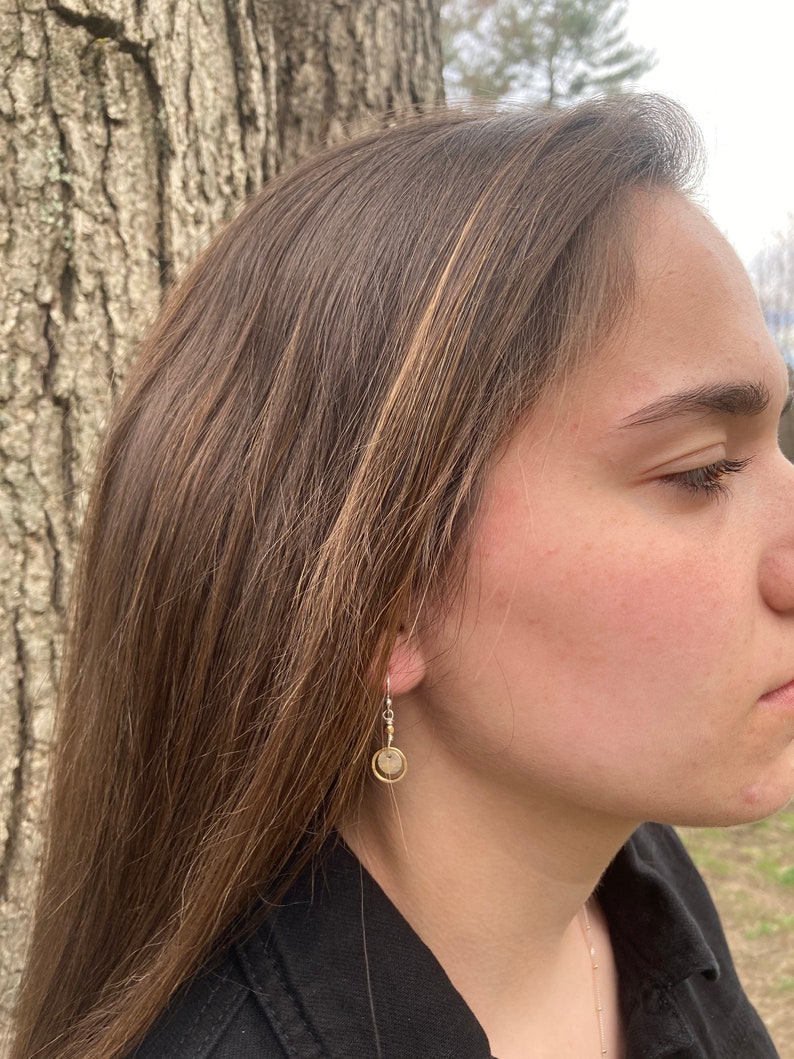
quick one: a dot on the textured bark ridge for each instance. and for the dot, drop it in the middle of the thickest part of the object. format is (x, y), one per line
(129, 131)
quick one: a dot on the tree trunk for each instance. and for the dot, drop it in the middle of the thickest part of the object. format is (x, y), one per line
(129, 131)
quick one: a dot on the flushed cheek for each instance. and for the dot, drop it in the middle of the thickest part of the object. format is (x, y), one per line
(627, 681)
(663, 606)
(614, 622)
(624, 572)
(594, 615)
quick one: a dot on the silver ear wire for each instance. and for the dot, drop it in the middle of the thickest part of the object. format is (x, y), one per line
(389, 764)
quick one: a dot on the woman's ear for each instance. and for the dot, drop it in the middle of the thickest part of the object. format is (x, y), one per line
(407, 665)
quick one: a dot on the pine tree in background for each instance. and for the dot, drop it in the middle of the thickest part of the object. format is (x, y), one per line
(546, 51)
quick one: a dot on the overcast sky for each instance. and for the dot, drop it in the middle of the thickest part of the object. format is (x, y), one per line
(735, 75)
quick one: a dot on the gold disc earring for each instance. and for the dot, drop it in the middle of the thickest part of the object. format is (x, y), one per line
(389, 764)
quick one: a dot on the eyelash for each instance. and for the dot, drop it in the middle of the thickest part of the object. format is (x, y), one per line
(708, 480)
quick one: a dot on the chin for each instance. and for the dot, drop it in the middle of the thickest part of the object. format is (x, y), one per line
(752, 804)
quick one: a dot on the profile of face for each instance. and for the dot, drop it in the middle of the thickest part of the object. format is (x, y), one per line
(629, 600)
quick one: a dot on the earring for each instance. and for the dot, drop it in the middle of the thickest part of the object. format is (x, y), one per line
(389, 763)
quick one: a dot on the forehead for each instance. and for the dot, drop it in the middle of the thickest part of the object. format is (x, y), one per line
(694, 322)
(685, 268)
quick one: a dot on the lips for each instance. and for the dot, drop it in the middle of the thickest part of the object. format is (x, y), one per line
(781, 694)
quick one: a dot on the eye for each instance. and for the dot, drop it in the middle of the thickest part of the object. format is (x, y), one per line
(708, 480)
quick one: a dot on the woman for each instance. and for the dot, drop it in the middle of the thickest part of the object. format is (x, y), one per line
(440, 539)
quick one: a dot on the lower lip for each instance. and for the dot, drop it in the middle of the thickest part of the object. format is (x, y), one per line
(781, 698)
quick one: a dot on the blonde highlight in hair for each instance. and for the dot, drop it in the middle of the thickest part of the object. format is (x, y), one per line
(292, 466)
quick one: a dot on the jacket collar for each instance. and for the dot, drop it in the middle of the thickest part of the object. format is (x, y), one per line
(343, 970)
(658, 938)
(337, 968)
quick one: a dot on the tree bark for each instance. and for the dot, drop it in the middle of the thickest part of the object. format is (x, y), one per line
(129, 131)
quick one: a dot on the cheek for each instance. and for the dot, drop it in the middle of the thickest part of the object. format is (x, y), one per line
(629, 606)
(614, 612)
(613, 656)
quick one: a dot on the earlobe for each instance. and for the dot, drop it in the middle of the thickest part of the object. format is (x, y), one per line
(407, 665)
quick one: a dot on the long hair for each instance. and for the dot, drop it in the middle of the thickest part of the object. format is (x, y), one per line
(288, 474)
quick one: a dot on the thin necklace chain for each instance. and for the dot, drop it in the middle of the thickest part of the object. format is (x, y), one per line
(588, 936)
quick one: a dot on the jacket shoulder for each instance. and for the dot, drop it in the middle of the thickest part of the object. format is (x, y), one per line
(215, 1016)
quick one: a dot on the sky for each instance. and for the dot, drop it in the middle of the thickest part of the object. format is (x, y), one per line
(734, 73)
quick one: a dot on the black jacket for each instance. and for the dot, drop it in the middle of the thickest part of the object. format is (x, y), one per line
(337, 973)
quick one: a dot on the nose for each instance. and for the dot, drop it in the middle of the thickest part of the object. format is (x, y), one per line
(777, 564)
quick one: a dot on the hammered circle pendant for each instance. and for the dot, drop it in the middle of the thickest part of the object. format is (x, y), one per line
(389, 764)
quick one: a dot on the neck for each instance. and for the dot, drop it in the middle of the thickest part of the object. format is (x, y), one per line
(492, 880)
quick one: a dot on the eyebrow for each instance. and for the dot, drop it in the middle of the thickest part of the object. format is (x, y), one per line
(733, 399)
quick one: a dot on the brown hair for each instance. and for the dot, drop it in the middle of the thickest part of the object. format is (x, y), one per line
(296, 453)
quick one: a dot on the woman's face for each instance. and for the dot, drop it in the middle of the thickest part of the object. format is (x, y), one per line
(629, 601)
